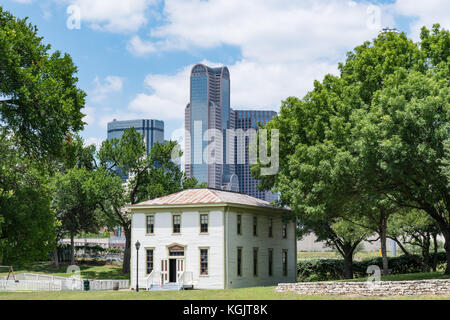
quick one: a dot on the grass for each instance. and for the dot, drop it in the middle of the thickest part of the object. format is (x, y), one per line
(90, 271)
(93, 271)
(256, 293)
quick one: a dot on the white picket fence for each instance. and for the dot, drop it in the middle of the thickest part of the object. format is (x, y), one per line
(108, 284)
(31, 285)
(42, 282)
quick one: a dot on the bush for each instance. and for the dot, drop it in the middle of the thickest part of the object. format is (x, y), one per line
(332, 269)
(320, 270)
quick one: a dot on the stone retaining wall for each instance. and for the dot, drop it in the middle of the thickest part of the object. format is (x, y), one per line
(383, 288)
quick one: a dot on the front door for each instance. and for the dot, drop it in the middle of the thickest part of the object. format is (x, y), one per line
(172, 270)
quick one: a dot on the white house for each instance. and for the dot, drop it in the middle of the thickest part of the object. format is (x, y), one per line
(212, 239)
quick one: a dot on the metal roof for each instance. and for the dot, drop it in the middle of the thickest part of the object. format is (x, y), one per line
(206, 196)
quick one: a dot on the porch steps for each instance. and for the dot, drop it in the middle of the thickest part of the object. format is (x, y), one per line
(165, 287)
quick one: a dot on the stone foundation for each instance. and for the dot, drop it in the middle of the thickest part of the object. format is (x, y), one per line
(383, 288)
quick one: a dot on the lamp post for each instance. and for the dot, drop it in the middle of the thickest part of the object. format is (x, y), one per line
(138, 245)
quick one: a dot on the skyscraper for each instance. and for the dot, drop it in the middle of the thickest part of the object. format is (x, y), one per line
(247, 120)
(153, 131)
(207, 116)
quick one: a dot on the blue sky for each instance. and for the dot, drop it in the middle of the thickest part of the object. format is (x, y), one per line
(134, 56)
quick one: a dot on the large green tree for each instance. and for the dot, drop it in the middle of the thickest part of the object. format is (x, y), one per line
(39, 100)
(373, 134)
(27, 222)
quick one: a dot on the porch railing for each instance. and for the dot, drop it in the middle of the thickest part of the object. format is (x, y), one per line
(153, 278)
(185, 279)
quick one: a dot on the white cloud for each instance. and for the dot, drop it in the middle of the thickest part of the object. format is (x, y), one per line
(89, 117)
(170, 94)
(24, 1)
(427, 13)
(111, 84)
(93, 140)
(285, 45)
(140, 48)
(113, 15)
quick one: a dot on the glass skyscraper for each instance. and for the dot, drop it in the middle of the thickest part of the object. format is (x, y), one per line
(209, 109)
(247, 120)
(152, 130)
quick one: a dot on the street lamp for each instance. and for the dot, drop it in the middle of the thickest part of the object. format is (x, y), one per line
(138, 245)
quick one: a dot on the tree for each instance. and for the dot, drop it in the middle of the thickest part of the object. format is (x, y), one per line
(416, 228)
(149, 176)
(75, 203)
(377, 131)
(27, 222)
(39, 101)
(339, 234)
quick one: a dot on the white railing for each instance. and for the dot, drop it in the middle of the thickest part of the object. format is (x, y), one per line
(43, 282)
(154, 275)
(185, 279)
(108, 284)
(30, 285)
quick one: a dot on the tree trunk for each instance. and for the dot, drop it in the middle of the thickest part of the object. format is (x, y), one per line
(72, 250)
(127, 251)
(426, 254)
(55, 257)
(435, 243)
(383, 240)
(446, 234)
(348, 265)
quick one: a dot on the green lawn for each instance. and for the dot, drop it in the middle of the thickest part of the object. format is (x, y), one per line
(90, 271)
(258, 293)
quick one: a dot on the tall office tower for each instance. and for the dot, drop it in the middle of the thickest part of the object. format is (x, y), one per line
(245, 120)
(207, 117)
(153, 131)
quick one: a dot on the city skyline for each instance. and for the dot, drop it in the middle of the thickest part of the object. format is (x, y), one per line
(134, 61)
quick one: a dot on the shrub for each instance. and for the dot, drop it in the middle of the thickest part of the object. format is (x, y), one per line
(332, 269)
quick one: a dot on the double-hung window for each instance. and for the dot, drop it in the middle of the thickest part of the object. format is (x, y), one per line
(284, 261)
(203, 262)
(270, 262)
(239, 223)
(176, 223)
(270, 227)
(150, 224)
(239, 261)
(255, 262)
(149, 260)
(204, 223)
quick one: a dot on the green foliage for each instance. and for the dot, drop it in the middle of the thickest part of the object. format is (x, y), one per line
(333, 269)
(75, 201)
(371, 139)
(41, 103)
(27, 223)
